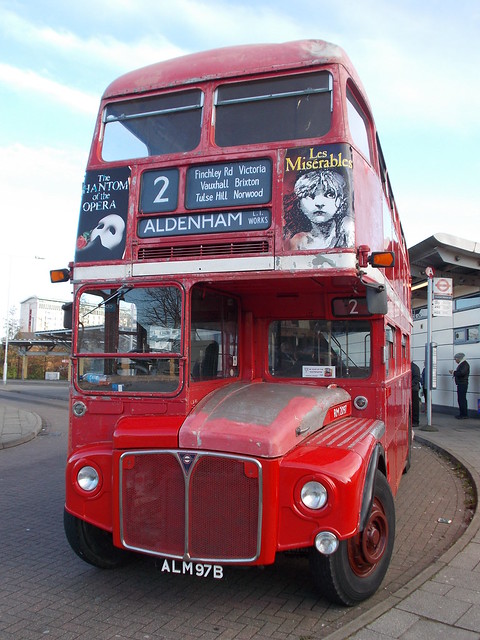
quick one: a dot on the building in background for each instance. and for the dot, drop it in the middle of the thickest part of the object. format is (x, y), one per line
(458, 259)
(41, 314)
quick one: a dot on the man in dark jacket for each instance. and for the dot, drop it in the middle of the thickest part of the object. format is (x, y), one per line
(461, 374)
(416, 378)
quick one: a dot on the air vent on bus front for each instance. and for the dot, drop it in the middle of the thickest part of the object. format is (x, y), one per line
(203, 250)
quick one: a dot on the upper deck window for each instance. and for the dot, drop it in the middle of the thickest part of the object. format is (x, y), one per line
(155, 126)
(287, 108)
(358, 125)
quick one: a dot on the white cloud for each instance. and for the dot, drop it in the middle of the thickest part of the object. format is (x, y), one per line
(41, 191)
(404, 78)
(103, 49)
(225, 23)
(425, 213)
(28, 81)
(416, 89)
(418, 61)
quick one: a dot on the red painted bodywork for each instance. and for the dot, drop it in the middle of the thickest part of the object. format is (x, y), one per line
(258, 419)
(297, 430)
(230, 62)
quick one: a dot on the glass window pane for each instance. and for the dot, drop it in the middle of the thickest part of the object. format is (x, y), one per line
(463, 335)
(143, 324)
(389, 350)
(319, 349)
(125, 320)
(358, 125)
(214, 336)
(128, 375)
(473, 334)
(152, 126)
(288, 108)
(419, 313)
(467, 303)
(273, 87)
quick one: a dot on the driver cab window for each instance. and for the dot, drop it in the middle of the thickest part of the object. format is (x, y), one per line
(319, 348)
(214, 336)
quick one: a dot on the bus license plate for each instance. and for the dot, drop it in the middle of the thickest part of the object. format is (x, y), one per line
(184, 567)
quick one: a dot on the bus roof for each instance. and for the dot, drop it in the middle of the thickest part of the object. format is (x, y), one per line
(230, 62)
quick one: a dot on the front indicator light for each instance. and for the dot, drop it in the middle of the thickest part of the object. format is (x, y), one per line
(326, 543)
(87, 478)
(314, 495)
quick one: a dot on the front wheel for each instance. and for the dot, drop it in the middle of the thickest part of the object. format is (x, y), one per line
(355, 571)
(92, 544)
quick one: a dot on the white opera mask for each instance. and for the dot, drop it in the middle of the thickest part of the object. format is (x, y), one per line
(110, 231)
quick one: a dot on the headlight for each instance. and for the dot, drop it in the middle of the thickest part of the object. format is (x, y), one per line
(314, 495)
(87, 478)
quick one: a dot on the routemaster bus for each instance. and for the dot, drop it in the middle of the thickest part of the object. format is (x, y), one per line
(241, 322)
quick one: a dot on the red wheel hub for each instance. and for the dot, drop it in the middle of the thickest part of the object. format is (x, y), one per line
(366, 549)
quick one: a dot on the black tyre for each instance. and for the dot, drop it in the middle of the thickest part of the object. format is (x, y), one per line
(356, 570)
(93, 545)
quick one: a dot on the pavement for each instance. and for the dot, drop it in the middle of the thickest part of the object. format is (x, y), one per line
(17, 426)
(443, 601)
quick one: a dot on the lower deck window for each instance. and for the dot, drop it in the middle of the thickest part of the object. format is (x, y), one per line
(129, 339)
(319, 349)
(214, 335)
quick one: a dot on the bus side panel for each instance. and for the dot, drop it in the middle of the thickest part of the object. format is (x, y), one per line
(368, 205)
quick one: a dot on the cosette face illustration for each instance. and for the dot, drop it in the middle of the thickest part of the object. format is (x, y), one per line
(321, 195)
(320, 206)
(110, 231)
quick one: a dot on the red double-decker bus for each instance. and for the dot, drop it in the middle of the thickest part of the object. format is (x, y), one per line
(241, 322)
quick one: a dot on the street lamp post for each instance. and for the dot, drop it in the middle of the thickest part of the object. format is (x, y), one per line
(7, 326)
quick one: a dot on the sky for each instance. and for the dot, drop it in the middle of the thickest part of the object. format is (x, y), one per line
(418, 62)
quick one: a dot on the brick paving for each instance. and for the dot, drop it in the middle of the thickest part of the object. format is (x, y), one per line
(46, 591)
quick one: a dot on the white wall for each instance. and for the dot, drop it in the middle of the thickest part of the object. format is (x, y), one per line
(443, 332)
(41, 314)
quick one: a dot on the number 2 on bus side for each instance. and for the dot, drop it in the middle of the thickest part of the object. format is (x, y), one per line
(352, 307)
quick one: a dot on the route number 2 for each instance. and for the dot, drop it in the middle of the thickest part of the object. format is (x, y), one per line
(159, 191)
(164, 181)
(350, 307)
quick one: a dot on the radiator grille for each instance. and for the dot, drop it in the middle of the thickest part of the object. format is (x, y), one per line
(151, 519)
(206, 509)
(200, 250)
